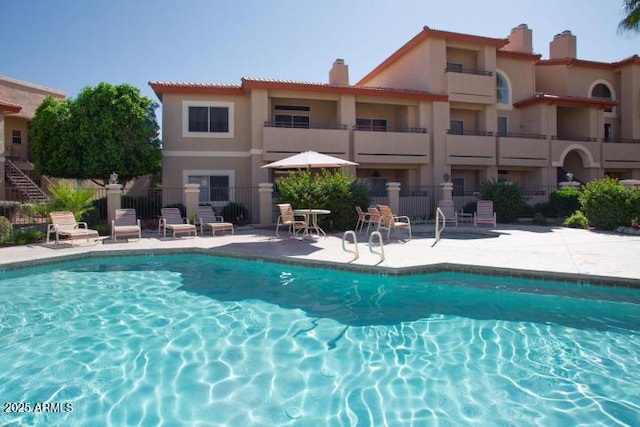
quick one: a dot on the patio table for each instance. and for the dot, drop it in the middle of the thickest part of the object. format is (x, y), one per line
(311, 218)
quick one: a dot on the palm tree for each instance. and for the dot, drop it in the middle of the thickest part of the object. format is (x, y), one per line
(631, 22)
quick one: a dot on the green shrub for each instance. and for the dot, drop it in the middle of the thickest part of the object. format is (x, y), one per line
(607, 204)
(539, 219)
(27, 235)
(545, 208)
(235, 213)
(336, 191)
(565, 201)
(507, 198)
(576, 220)
(5, 229)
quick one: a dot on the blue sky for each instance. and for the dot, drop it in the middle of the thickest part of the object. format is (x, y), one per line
(70, 44)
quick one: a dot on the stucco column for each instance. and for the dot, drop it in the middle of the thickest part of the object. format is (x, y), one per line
(265, 193)
(569, 184)
(393, 191)
(190, 198)
(114, 198)
(447, 190)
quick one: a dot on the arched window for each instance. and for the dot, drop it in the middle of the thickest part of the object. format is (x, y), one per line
(502, 89)
(603, 91)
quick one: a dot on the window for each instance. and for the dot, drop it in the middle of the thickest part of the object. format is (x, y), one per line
(603, 91)
(213, 188)
(292, 121)
(16, 136)
(503, 175)
(502, 89)
(608, 132)
(456, 127)
(378, 125)
(378, 187)
(503, 126)
(454, 67)
(207, 119)
(458, 186)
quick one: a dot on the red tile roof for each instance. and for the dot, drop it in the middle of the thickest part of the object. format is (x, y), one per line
(8, 108)
(566, 100)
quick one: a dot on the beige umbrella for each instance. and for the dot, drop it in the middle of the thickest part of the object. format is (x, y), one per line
(308, 160)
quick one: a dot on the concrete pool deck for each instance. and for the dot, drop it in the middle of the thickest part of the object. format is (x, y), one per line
(519, 250)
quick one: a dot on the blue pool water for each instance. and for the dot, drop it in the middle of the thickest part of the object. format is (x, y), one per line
(199, 340)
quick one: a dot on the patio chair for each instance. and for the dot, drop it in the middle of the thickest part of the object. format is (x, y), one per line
(125, 223)
(363, 218)
(449, 210)
(205, 216)
(484, 213)
(287, 217)
(63, 223)
(374, 218)
(390, 221)
(172, 219)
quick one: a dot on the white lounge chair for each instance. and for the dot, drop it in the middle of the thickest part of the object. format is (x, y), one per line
(172, 219)
(449, 210)
(63, 223)
(125, 223)
(205, 217)
(484, 213)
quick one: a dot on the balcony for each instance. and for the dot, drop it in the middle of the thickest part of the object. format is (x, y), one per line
(280, 142)
(520, 149)
(621, 153)
(405, 146)
(471, 85)
(471, 148)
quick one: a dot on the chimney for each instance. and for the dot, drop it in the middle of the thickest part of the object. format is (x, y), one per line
(563, 45)
(339, 73)
(520, 40)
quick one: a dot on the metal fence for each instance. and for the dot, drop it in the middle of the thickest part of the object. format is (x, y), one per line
(417, 202)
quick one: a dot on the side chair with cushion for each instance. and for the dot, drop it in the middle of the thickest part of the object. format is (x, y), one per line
(374, 218)
(287, 217)
(390, 221)
(449, 210)
(125, 223)
(206, 217)
(484, 213)
(63, 223)
(172, 220)
(363, 218)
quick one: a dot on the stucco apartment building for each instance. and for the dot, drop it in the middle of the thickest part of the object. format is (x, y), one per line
(18, 103)
(471, 107)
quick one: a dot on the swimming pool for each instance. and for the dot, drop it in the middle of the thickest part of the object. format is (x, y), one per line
(188, 339)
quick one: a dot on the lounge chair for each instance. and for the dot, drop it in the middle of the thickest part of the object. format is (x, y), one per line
(172, 219)
(205, 216)
(363, 218)
(287, 217)
(374, 218)
(63, 223)
(449, 210)
(484, 213)
(390, 221)
(125, 223)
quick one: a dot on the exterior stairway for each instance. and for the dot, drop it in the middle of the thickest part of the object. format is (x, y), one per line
(23, 184)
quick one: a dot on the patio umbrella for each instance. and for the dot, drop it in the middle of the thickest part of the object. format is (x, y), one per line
(308, 160)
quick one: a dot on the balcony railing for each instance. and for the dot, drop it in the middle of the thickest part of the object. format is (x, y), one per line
(521, 135)
(304, 125)
(574, 138)
(389, 129)
(469, 132)
(622, 141)
(454, 68)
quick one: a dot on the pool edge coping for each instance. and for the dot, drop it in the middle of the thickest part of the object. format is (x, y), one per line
(443, 267)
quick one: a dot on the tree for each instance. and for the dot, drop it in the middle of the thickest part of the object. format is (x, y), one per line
(105, 129)
(631, 21)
